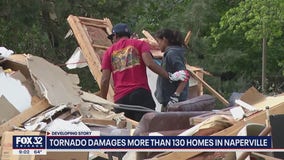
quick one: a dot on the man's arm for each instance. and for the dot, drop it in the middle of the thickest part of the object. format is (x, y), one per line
(149, 62)
(105, 82)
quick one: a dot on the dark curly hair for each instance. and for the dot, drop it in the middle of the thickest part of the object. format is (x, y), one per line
(174, 37)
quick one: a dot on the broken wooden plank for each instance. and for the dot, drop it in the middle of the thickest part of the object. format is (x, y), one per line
(197, 69)
(105, 122)
(86, 42)
(96, 99)
(207, 86)
(24, 116)
(150, 37)
(198, 119)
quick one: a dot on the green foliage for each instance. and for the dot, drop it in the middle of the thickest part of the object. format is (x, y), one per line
(241, 30)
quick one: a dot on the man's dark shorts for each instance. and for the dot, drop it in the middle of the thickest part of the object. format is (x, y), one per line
(140, 97)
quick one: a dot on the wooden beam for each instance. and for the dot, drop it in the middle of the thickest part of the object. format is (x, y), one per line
(98, 121)
(24, 116)
(215, 93)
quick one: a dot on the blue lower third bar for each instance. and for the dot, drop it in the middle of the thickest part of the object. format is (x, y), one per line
(158, 142)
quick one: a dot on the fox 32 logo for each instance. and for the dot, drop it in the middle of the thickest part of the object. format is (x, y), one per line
(29, 142)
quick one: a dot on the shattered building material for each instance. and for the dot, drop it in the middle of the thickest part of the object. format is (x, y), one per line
(24, 116)
(276, 104)
(58, 88)
(37, 124)
(53, 83)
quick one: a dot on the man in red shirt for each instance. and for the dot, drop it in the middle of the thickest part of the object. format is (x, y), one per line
(126, 60)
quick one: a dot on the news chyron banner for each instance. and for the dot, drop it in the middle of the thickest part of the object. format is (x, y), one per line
(91, 141)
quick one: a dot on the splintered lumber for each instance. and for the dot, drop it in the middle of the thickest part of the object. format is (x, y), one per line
(149, 37)
(91, 35)
(215, 93)
(24, 116)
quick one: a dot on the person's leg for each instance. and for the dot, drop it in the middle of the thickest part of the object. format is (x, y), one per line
(127, 113)
(140, 97)
(123, 100)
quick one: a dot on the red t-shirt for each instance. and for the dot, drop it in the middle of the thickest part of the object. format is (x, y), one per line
(124, 60)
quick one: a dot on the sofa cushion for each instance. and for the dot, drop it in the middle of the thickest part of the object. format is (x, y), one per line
(165, 121)
(201, 103)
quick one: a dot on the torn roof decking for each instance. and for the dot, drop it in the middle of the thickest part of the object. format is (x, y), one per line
(91, 35)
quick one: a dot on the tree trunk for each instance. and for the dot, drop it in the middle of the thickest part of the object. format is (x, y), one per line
(263, 77)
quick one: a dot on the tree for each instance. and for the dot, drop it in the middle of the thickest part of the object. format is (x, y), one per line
(255, 20)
